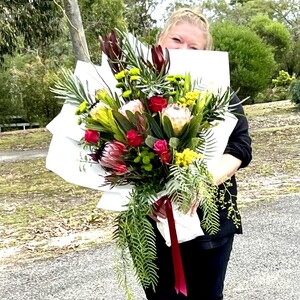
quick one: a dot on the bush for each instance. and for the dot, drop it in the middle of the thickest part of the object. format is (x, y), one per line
(283, 79)
(294, 91)
(251, 61)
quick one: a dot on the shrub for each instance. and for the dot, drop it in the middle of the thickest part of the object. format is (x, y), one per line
(294, 90)
(251, 61)
(283, 79)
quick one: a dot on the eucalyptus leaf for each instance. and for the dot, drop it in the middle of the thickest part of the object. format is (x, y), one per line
(174, 142)
(150, 141)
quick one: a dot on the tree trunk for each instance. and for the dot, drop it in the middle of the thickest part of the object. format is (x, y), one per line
(80, 48)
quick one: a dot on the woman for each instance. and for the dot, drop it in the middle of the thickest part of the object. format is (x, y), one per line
(205, 258)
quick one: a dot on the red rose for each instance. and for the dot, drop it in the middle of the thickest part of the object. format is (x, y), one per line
(91, 136)
(157, 103)
(134, 140)
(160, 146)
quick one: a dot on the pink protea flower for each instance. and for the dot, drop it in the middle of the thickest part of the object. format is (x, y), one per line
(178, 115)
(133, 106)
(112, 157)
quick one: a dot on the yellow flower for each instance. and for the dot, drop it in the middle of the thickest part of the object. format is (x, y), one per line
(190, 98)
(185, 158)
(103, 96)
(205, 97)
(134, 71)
(126, 94)
(120, 75)
(134, 77)
(104, 116)
(82, 108)
(100, 114)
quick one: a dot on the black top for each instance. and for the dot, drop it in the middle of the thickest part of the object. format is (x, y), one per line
(239, 145)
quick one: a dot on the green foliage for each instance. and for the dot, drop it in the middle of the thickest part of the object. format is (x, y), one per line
(28, 24)
(283, 79)
(292, 58)
(99, 17)
(25, 89)
(138, 17)
(252, 63)
(135, 232)
(294, 91)
(273, 33)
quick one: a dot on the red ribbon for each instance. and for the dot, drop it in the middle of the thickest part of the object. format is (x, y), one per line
(180, 284)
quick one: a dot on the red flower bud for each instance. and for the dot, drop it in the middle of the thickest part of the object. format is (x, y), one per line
(113, 49)
(91, 136)
(160, 63)
(134, 140)
(157, 103)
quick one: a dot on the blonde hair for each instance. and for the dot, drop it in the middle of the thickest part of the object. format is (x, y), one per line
(190, 16)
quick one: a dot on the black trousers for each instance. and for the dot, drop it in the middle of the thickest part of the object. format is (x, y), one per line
(204, 267)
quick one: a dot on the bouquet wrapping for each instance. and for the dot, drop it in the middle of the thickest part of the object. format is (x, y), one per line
(148, 124)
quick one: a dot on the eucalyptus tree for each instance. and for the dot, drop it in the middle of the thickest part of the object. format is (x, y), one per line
(27, 25)
(77, 34)
(139, 19)
(99, 17)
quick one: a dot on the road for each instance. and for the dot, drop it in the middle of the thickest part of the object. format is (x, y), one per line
(265, 264)
(22, 155)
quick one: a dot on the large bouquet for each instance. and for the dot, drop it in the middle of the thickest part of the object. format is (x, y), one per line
(150, 132)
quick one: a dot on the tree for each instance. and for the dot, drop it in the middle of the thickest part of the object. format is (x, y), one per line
(273, 33)
(24, 89)
(80, 47)
(138, 17)
(251, 61)
(99, 17)
(28, 24)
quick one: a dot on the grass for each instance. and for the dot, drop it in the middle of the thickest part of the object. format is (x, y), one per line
(25, 139)
(37, 207)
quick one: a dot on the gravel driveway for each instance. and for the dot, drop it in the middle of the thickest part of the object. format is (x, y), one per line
(265, 264)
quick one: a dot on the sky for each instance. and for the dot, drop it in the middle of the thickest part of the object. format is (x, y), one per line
(160, 9)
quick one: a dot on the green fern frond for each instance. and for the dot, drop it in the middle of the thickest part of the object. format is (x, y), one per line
(135, 232)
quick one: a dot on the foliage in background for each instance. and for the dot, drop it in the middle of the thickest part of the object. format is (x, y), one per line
(274, 34)
(99, 17)
(24, 88)
(283, 79)
(38, 26)
(251, 61)
(280, 89)
(27, 24)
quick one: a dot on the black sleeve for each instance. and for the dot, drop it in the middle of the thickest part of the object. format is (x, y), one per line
(239, 143)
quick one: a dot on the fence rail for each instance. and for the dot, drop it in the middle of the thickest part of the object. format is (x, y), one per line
(21, 125)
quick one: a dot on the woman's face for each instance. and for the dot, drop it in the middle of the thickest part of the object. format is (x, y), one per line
(184, 36)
